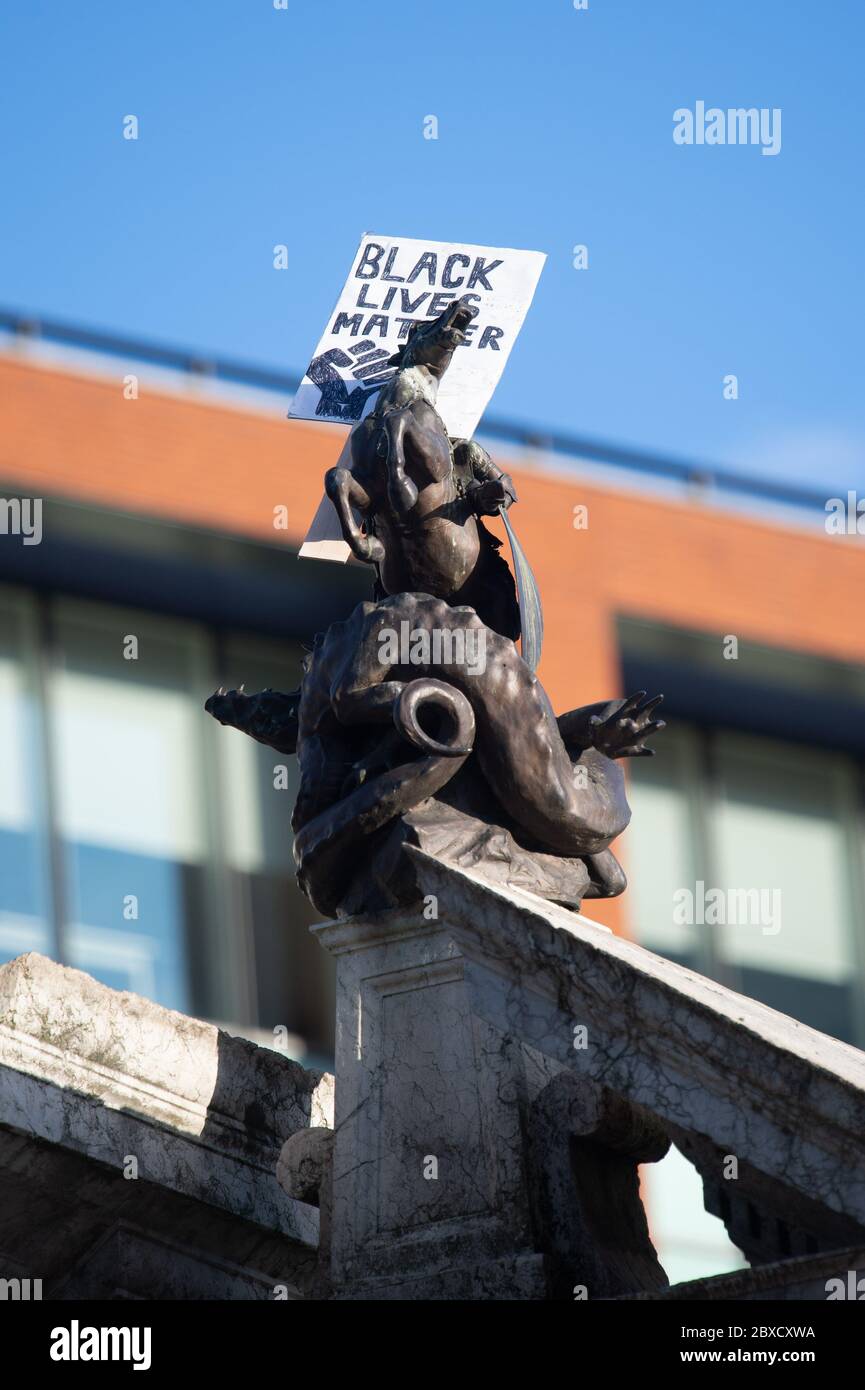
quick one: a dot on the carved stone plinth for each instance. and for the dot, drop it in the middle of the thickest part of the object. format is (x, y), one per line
(465, 1163)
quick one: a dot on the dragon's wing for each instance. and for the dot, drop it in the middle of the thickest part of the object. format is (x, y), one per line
(531, 613)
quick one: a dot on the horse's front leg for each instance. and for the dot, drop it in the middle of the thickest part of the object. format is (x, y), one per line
(401, 491)
(345, 492)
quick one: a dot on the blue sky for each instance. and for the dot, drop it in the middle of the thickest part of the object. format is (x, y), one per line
(304, 127)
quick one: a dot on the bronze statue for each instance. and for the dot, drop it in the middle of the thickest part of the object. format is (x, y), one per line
(420, 494)
(418, 722)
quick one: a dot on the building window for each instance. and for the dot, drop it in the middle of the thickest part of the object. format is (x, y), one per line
(129, 799)
(745, 864)
(750, 814)
(139, 841)
(25, 907)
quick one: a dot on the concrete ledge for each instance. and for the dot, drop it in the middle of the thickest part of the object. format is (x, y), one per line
(63, 1026)
(151, 1102)
(798, 1280)
(782, 1097)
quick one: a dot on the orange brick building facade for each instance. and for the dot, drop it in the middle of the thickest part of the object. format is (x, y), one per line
(202, 463)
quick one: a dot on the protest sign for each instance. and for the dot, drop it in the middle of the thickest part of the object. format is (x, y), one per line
(393, 282)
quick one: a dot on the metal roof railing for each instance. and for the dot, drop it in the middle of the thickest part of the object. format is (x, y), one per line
(704, 477)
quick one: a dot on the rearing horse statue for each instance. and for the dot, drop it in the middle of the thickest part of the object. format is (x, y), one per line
(420, 494)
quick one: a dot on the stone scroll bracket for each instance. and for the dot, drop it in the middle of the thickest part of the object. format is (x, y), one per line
(586, 1144)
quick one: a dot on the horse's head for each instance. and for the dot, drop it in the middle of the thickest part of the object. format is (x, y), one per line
(432, 344)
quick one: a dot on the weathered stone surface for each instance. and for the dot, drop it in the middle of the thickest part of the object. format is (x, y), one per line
(766, 1218)
(478, 1149)
(479, 1146)
(806, 1278)
(304, 1164)
(129, 1262)
(454, 1172)
(786, 1100)
(585, 1145)
(423, 1089)
(305, 1173)
(152, 1060)
(120, 1117)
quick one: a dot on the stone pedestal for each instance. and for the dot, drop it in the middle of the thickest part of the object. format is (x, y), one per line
(430, 1189)
(452, 1175)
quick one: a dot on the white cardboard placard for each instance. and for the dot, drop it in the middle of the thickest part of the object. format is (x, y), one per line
(392, 282)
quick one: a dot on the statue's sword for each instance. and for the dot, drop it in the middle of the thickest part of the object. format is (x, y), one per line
(531, 613)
